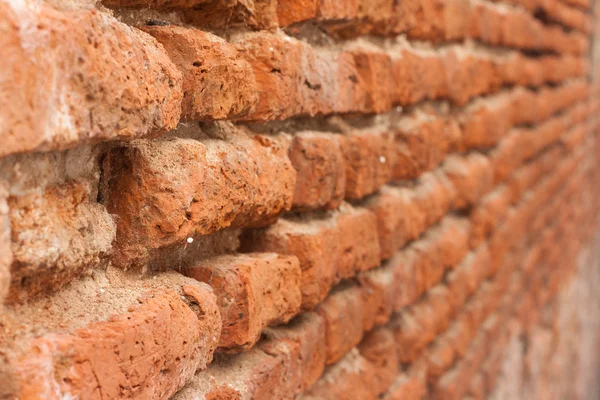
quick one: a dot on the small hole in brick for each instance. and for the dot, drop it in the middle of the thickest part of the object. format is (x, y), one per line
(197, 64)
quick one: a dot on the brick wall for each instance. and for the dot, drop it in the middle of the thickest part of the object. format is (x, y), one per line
(311, 199)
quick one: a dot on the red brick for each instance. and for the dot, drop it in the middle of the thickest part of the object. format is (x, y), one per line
(58, 233)
(266, 371)
(404, 213)
(381, 287)
(352, 377)
(343, 311)
(422, 141)
(379, 348)
(375, 72)
(102, 79)
(253, 291)
(151, 350)
(409, 385)
(489, 213)
(308, 330)
(369, 160)
(217, 82)
(320, 170)
(330, 247)
(472, 177)
(165, 192)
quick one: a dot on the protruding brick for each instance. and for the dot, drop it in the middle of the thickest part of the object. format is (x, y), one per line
(381, 286)
(352, 377)
(167, 191)
(217, 82)
(422, 141)
(330, 247)
(369, 160)
(267, 371)
(58, 233)
(101, 79)
(379, 348)
(320, 170)
(343, 312)
(472, 177)
(150, 350)
(253, 291)
(404, 213)
(308, 330)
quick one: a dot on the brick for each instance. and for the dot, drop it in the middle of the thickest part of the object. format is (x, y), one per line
(409, 385)
(422, 141)
(266, 371)
(343, 312)
(308, 330)
(74, 99)
(380, 288)
(320, 170)
(488, 214)
(149, 349)
(404, 213)
(330, 247)
(350, 378)
(471, 176)
(369, 158)
(167, 191)
(374, 72)
(217, 82)
(58, 233)
(423, 263)
(253, 291)
(379, 348)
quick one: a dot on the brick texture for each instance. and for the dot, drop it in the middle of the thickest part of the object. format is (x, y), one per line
(299, 199)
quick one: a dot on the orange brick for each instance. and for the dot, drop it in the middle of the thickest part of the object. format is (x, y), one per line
(217, 82)
(352, 377)
(308, 330)
(472, 177)
(165, 192)
(380, 288)
(369, 160)
(330, 248)
(110, 357)
(343, 311)
(320, 170)
(253, 291)
(379, 348)
(102, 80)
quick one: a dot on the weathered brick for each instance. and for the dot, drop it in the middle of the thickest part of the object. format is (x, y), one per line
(350, 378)
(308, 330)
(217, 82)
(422, 141)
(331, 246)
(266, 371)
(148, 344)
(167, 191)
(380, 288)
(57, 234)
(409, 385)
(320, 170)
(253, 291)
(379, 348)
(369, 158)
(471, 176)
(343, 312)
(404, 213)
(102, 79)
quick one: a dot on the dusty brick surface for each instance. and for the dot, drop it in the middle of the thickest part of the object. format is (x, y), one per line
(315, 199)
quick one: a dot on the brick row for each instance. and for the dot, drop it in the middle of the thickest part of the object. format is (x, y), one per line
(433, 20)
(98, 339)
(293, 78)
(101, 79)
(558, 12)
(165, 192)
(358, 162)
